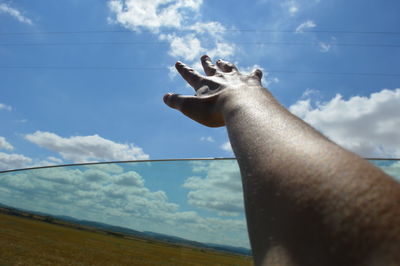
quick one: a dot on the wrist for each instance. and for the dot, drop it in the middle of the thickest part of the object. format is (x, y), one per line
(232, 100)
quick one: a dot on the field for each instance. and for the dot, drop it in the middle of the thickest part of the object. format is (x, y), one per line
(34, 240)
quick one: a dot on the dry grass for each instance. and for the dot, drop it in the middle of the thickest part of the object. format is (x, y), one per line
(26, 241)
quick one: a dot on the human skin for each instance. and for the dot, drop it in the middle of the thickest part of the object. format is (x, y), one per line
(308, 201)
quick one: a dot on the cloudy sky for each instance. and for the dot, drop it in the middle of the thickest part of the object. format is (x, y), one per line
(83, 81)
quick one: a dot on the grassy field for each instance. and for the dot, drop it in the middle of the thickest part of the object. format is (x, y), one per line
(30, 241)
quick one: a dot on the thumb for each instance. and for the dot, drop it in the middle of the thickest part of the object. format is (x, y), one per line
(196, 108)
(179, 102)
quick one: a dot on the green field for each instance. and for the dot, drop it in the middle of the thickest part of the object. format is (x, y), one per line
(30, 240)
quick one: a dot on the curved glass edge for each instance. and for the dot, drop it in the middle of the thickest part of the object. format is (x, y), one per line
(198, 202)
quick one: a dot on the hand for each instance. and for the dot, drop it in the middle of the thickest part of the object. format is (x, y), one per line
(205, 106)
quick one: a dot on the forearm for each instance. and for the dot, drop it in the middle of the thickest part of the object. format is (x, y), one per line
(303, 193)
(308, 201)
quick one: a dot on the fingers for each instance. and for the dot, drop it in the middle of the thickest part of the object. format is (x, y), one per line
(257, 73)
(169, 101)
(197, 108)
(226, 66)
(209, 68)
(190, 75)
(177, 101)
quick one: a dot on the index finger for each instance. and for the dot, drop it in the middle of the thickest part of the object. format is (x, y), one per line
(190, 75)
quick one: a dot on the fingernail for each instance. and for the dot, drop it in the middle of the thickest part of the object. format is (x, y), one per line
(166, 96)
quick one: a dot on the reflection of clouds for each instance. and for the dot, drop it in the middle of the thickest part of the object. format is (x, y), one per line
(105, 193)
(219, 189)
(392, 169)
(111, 168)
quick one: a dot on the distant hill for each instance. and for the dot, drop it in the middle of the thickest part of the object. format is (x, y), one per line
(179, 240)
(120, 231)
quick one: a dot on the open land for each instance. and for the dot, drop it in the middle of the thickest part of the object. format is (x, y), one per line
(30, 239)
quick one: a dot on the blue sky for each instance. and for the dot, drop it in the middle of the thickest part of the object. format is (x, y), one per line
(64, 97)
(83, 81)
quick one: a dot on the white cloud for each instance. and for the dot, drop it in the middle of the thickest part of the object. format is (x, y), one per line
(368, 126)
(47, 162)
(324, 47)
(7, 9)
(227, 147)
(222, 50)
(5, 145)
(301, 108)
(220, 188)
(305, 25)
(310, 92)
(208, 139)
(13, 161)
(191, 38)
(5, 107)
(54, 159)
(213, 28)
(187, 47)
(137, 14)
(293, 9)
(292, 6)
(86, 148)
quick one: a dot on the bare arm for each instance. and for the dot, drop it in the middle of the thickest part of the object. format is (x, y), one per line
(308, 201)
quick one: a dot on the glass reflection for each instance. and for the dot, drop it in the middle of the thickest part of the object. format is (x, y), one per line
(173, 201)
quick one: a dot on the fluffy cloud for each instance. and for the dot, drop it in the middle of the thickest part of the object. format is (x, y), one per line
(218, 187)
(5, 145)
(13, 161)
(324, 47)
(7, 9)
(368, 126)
(188, 47)
(190, 36)
(142, 14)
(309, 24)
(54, 159)
(5, 107)
(291, 6)
(227, 147)
(87, 148)
(208, 139)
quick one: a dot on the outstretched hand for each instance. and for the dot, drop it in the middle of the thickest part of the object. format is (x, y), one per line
(205, 106)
